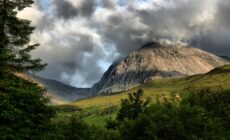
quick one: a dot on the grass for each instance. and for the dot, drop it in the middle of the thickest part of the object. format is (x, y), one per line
(95, 109)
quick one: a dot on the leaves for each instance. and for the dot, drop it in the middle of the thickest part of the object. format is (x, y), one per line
(24, 112)
(15, 38)
(133, 106)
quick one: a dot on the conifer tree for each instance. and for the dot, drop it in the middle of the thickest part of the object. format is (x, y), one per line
(15, 38)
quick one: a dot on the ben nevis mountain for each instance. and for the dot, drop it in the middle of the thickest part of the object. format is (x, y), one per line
(156, 60)
(153, 60)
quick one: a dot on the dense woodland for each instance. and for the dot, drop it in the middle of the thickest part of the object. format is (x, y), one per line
(202, 114)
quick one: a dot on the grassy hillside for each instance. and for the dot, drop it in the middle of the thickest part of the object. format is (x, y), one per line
(219, 78)
(96, 110)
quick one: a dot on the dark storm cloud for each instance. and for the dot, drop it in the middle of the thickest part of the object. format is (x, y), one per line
(87, 8)
(217, 40)
(80, 38)
(64, 9)
(214, 42)
(223, 13)
(110, 4)
(120, 30)
(130, 26)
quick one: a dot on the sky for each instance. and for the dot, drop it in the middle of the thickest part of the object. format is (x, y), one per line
(80, 39)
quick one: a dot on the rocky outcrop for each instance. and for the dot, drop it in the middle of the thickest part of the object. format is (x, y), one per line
(155, 60)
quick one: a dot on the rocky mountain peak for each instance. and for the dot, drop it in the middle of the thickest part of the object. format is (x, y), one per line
(155, 60)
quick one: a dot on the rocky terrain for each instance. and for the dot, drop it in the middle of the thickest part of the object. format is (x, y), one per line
(155, 60)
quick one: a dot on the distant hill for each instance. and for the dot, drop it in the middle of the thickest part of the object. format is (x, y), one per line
(153, 61)
(60, 91)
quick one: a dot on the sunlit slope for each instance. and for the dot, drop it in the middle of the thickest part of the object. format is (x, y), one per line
(217, 78)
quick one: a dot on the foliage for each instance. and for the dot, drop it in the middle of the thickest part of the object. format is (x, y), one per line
(75, 127)
(15, 38)
(24, 113)
(133, 106)
(200, 115)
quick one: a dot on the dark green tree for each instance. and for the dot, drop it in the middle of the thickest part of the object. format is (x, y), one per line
(23, 110)
(24, 113)
(133, 106)
(15, 38)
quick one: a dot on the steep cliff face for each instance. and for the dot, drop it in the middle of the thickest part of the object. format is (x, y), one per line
(155, 60)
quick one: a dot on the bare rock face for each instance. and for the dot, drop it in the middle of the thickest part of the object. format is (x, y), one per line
(155, 60)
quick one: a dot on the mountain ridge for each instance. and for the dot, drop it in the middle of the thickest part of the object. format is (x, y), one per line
(59, 92)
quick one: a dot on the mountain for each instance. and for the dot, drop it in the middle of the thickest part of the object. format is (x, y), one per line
(153, 61)
(59, 91)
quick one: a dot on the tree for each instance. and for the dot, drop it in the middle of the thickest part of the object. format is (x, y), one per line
(23, 110)
(15, 38)
(133, 106)
(24, 113)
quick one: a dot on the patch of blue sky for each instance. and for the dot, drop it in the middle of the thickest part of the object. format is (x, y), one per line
(45, 4)
(121, 3)
(110, 53)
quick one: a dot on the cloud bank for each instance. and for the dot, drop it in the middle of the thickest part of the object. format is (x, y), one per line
(81, 38)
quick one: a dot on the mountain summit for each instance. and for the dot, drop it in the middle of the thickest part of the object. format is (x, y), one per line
(155, 60)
